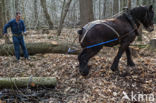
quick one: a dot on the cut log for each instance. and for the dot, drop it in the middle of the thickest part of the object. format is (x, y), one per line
(42, 48)
(19, 82)
(153, 43)
(35, 48)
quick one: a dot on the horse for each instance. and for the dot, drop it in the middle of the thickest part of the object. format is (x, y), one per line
(124, 27)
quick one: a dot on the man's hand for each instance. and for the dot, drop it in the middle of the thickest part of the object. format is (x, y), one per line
(7, 40)
(25, 33)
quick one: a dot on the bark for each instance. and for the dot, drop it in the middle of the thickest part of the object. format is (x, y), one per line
(104, 9)
(35, 48)
(129, 4)
(4, 12)
(7, 12)
(145, 2)
(125, 3)
(154, 6)
(45, 11)
(42, 48)
(35, 14)
(27, 81)
(116, 6)
(65, 9)
(17, 8)
(138, 3)
(86, 11)
(99, 9)
(1, 18)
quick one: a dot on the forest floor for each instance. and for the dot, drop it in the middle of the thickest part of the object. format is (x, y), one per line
(100, 86)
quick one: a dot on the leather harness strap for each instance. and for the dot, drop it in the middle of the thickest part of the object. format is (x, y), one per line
(105, 25)
(131, 21)
(112, 29)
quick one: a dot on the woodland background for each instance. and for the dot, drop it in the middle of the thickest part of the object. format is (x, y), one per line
(56, 22)
(49, 13)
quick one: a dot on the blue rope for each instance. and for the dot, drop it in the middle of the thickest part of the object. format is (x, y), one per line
(70, 50)
(101, 43)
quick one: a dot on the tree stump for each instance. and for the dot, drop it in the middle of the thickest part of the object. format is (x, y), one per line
(153, 43)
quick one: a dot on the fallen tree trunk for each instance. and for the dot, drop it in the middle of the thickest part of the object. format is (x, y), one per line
(19, 82)
(42, 48)
(34, 48)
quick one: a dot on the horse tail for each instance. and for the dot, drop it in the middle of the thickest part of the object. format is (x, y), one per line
(80, 31)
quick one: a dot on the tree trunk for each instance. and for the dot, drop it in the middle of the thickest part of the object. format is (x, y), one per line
(35, 14)
(27, 81)
(45, 11)
(104, 9)
(4, 13)
(138, 3)
(1, 18)
(154, 6)
(129, 4)
(35, 48)
(115, 7)
(125, 3)
(99, 9)
(7, 11)
(65, 9)
(145, 2)
(17, 5)
(86, 11)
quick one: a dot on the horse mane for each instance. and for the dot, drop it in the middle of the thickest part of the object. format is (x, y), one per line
(137, 13)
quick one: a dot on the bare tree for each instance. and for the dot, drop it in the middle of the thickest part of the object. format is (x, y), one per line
(124, 3)
(1, 18)
(86, 11)
(129, 4)
(154, 4)
(35, 13)
(7, 10)
(17, 8)
(63, 15)
(3, 12)
(43, 4)
(104, 9)
(115, 6)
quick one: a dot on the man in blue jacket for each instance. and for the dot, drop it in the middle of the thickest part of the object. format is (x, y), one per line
(18, 29)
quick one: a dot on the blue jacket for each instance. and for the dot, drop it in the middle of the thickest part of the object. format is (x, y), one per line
(16, 28)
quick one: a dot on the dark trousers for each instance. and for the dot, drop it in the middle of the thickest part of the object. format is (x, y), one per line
(19, 41)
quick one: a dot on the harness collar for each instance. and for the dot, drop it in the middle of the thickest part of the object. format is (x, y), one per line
(133, 22)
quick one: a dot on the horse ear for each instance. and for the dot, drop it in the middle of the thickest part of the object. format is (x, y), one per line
(151, 8)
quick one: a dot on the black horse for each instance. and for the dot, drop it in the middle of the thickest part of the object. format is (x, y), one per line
(125, 25)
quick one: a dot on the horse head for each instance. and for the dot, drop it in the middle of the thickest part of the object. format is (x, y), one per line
(145, 15)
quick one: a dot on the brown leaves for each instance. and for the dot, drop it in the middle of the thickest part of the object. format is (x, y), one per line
(101, 86)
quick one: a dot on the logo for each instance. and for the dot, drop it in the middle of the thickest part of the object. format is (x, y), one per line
(139, 97)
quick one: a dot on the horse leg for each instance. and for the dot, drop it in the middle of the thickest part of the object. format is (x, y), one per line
(122, 48)
(129, 59)
(84, 57)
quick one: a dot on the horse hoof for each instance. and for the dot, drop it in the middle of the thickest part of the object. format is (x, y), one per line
(131, 64)
(84, 71)
(114, 69)
(124, 74)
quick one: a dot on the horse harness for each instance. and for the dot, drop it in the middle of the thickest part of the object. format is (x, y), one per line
(130, 20)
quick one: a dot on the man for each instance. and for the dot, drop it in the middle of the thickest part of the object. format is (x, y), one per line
(17, 28)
